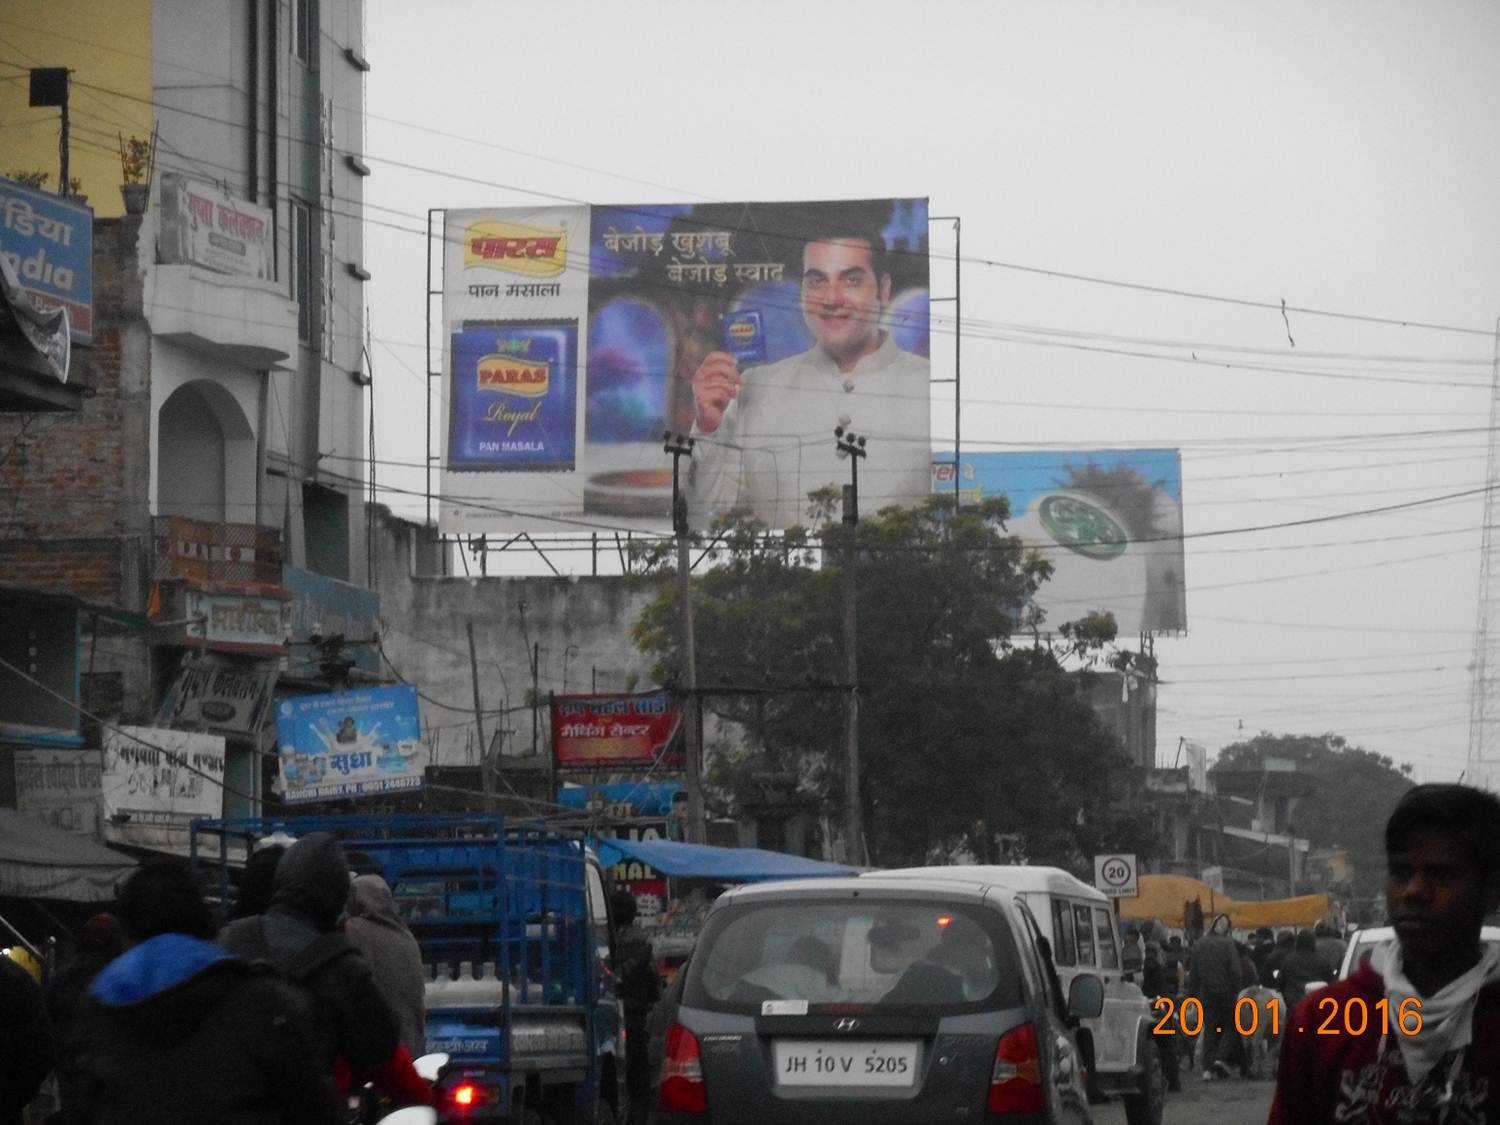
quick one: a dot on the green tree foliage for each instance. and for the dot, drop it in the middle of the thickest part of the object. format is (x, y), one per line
(1355, 792)
(958, 726)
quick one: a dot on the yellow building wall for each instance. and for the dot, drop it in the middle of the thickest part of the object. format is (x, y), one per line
(106, 44)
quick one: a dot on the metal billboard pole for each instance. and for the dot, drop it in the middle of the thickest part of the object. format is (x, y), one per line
(958, 319)
(427, 343)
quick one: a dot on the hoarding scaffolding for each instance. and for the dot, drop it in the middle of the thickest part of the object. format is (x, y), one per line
(1484, 723)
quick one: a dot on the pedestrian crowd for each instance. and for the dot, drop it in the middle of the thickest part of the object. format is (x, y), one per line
(309, 1001)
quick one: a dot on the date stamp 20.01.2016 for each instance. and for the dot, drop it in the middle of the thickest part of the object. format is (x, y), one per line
(1348, 1016)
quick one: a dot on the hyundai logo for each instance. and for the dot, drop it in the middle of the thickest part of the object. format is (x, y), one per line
(847, 1025)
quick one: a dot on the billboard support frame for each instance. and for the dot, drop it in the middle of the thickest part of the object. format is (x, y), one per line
(427, 344)
(958, 337)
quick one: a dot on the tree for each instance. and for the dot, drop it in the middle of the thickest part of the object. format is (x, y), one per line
(1356, 790)
(963, 735)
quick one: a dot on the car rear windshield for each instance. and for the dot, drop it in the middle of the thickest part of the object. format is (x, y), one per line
(893, 955)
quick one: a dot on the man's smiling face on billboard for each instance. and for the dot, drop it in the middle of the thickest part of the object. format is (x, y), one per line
(843, 298)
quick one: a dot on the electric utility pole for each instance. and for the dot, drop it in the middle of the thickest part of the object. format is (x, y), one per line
(680, 446)
(852, 446)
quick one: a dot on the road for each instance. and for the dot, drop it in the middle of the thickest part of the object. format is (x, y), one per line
(1232, 1102)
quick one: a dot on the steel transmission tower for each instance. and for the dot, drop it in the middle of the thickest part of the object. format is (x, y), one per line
(1484, 714)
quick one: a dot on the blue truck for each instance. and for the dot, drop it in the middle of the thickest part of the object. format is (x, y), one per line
(512, 918)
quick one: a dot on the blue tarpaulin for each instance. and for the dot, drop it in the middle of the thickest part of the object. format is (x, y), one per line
(728, 865)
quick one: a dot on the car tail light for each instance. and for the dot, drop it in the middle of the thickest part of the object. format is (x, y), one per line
(466, 1096)
(1016, 1082)
(682, 1089)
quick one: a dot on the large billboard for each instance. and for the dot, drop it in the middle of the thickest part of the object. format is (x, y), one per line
(575, 337)
(1109, 521)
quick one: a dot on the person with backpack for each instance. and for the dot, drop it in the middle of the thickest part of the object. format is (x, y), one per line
(180, 1032)
(640, 989)
(300, 935)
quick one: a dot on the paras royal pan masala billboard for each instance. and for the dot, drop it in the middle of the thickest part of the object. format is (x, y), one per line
(574, 337)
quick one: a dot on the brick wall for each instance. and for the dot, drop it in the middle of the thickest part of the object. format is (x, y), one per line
(74, 488)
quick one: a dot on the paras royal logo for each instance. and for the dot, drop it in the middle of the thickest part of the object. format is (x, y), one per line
(516, 248)
(514, 375)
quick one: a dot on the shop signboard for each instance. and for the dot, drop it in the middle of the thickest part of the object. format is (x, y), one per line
(220, 694)
(49, 242)
(157, 781)
(614, 731)
(61, 787)
(349, 743)
(202, 225)
(237, 622)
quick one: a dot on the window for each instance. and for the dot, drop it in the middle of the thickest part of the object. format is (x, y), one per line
(325, 523)
(1083, 926)
(302, 268)
(305, 30)
(1109, 952)
(1044, 984)
(1064, 948)
(890, 955)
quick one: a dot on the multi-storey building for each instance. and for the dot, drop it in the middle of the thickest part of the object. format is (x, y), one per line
(206, 502)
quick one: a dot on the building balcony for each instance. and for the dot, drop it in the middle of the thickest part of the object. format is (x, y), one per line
(238, 320)
(215, 554)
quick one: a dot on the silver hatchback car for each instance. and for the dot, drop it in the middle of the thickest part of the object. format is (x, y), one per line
(827, 1001)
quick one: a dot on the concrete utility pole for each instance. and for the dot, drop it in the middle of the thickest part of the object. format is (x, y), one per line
(852, 446)
(680, 446)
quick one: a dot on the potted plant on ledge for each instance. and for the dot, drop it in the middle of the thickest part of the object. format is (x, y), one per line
(136, 160)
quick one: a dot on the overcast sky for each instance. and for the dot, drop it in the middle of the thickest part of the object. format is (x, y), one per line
(1335, 156)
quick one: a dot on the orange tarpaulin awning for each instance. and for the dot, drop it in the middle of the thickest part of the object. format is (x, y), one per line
(1163, 896)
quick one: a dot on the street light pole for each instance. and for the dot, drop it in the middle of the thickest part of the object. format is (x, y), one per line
(680, 446)
(852, 446)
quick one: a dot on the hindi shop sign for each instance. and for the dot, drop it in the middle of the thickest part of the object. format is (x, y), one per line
(203, 226)
(60, 787)
(596, 731)
(237, 622)
(157, 780)
(49, 242)
(221, 694)
(349, 743)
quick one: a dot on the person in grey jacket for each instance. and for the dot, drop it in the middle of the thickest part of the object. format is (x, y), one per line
(375, 928)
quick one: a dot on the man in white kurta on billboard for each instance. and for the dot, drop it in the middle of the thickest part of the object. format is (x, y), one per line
(765, 435)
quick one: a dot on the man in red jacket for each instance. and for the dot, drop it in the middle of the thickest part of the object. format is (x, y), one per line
(1414, 1034)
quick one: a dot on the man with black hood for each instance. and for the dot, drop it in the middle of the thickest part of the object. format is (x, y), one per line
(182, 1033)
(299, 935)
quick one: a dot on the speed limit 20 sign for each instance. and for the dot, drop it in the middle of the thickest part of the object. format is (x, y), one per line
(1115, 875)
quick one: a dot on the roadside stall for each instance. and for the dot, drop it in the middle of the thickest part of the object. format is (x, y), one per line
(686, 878)
(1166, 896)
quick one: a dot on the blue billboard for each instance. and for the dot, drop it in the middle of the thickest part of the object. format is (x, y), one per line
(1108, 520)
(349, 743)
(49, 242)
